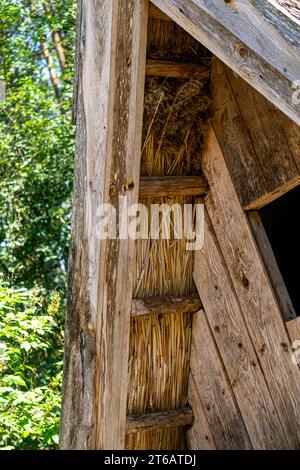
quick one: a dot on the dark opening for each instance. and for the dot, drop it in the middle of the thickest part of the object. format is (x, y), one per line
(281, 222)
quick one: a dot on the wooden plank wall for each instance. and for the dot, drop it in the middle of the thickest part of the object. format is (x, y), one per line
(259, 143)
(243, 323)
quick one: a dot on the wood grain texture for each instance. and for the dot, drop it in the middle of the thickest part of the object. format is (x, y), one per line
(293, 327)
(153, 186)
(111, 71)
(282, 18)
(234, 52)
(265, 249)
(246, 20)
(291, 133)
(199, 435)
(212, 384)
(234, 344)
(163, 68)
(267, 134)
(253, 288)
(157, 14)
(159, 420)
(165, 305)
(259, 155)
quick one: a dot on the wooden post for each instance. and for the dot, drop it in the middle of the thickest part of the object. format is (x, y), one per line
(111, 56)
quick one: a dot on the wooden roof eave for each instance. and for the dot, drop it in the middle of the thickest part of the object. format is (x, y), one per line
(254, 38)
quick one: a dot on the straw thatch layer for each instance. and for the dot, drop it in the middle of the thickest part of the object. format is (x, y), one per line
(174, 121)
(163, 439)
(159, 362)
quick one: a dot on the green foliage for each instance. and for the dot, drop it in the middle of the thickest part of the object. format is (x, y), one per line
(36, 142)
(37, 40)
(30, 369)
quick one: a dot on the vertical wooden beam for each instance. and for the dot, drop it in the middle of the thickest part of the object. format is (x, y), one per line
(111, 72)
(253, 288)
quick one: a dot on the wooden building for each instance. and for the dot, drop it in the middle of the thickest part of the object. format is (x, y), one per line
(186, 101)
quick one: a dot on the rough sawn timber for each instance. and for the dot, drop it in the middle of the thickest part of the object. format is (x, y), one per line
(110, 90)
(163, 68)
(159, 420)
(255, 294)
(210, 380)
(231, 337)
(236, 53)
(247, 20)
(161, 186)
(165, 305)
(258, 142)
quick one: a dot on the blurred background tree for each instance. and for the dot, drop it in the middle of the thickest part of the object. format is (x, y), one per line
(37, 40)
(37, 138)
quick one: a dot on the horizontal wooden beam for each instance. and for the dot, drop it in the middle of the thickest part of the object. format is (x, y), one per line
(162, 68)
(238, 54)
(165, 305)
(162, 186)
(159, 420)
(157, 14)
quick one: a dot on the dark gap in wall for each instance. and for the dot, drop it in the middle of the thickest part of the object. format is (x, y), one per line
(281, 222)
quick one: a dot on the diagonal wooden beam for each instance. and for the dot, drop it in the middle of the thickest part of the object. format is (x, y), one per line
(257, 300)
(260, 144)
(111, 60)
(247, 20)
(243, 56)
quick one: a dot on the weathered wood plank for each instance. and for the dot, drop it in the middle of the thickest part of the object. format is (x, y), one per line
(282, 19)
(232, 339)
(153, 186)
(165, 305)
(293, 327)
(163, 68)
(199, 435)
(159, 420)
(234, 139)
(235, 53)
(252, 285)
(247, 21)
(211, 382)
(265, 249)
(291, 132)
(258, 156)
(111, 57)
(273, 153)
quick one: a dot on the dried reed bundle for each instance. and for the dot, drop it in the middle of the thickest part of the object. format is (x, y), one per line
(163, 439)
(160, 345)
